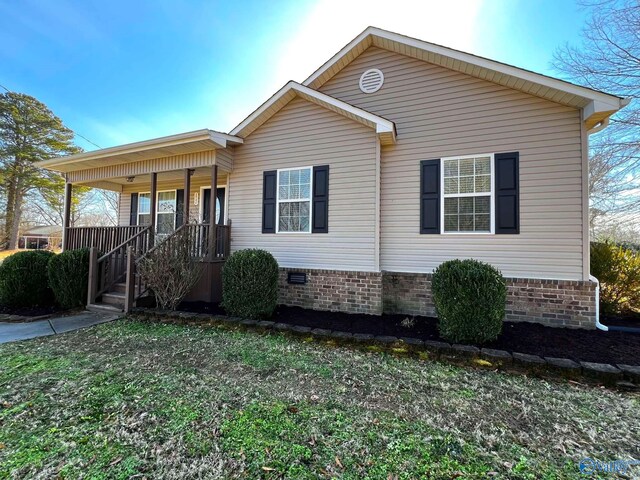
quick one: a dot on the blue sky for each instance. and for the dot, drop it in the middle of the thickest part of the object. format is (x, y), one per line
(123, 71)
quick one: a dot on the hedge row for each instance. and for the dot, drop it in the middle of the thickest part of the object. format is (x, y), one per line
(41, 278)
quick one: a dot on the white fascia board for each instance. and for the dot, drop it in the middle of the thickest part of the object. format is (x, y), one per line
(481, 62)
(257, 112)
(224, 138)
(346, 49)
(219, 140)
(382, 124)
(596, 106)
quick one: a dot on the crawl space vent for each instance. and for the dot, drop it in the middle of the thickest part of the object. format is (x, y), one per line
(371, 81)
(297, 278)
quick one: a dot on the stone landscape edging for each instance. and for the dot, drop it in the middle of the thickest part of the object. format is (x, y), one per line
(619, 375)
(24, 318)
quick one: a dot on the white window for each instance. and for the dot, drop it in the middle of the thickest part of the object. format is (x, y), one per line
(165, 211)
(467, 186)
(144, 209)
(294, 200)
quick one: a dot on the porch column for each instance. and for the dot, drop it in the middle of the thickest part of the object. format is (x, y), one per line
(66, 218)
(153, 195)
(212, 211)
(187, 195)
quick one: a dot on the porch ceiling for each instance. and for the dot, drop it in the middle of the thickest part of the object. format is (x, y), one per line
(169, 179)
(163, 147)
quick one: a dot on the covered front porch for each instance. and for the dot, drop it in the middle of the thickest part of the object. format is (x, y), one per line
(169, 186)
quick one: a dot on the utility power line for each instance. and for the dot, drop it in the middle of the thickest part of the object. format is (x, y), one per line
(74, 132)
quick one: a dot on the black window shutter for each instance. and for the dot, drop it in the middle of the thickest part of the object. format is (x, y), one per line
(269, 186)
(180, 207)
(430, 196)
(320, 211)
(507, 195)
(133, 217)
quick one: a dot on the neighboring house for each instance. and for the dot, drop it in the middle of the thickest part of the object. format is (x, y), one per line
(394, 156)
(45, 236)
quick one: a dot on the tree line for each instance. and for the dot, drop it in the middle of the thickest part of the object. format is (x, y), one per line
(30, 195)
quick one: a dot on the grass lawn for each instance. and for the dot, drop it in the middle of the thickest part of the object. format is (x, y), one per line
(129, 399)
(7, 253)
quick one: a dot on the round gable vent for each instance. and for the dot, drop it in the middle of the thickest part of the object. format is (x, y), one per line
(371, 81)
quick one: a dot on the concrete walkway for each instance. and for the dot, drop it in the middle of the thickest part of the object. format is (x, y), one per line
(11, 332)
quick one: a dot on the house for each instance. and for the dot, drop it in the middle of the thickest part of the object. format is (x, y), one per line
(44, 236)
(394, 156)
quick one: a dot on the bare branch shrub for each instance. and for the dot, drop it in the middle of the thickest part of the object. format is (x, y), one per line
(171, 270)
(608, 59)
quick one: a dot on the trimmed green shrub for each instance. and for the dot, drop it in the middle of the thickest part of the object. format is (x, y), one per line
(618, 270)
(68, 274)
(23, 279)
(470, 298)
(250, 284)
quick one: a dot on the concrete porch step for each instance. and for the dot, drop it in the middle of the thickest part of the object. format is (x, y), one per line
(122, 288)
(103, 308)
(114, 298)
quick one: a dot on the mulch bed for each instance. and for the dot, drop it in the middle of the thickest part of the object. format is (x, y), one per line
(25, 313)
(532, 338)
(628, 320)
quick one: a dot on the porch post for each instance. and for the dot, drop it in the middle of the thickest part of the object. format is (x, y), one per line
(66, 218)
(153, 195)
(212, 211)
(187, 196)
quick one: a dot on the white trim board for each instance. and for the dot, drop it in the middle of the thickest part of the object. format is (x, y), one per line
(385, 129)
(596, 105)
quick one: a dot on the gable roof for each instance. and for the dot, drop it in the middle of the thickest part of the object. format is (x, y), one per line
(385, 129)
(597, 106)
(43, 230)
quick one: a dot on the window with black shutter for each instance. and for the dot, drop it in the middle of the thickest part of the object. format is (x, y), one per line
(133, 214)
(430, 196)
(269, 186)
(296, 200)
(320, 213)
(470, 194)
(507, 196)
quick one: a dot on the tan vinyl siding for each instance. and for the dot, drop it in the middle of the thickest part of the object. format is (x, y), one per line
(303, 134)
(166, 164)
(224, 159)
(440, 113)
(194, 210)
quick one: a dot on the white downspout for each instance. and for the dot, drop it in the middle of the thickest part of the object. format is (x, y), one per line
(598, 324)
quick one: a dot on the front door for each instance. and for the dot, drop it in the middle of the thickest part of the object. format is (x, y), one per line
(206, 205)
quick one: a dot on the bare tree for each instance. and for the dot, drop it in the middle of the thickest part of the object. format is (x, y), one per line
(110, 202)
(89, 208)
(608, 59)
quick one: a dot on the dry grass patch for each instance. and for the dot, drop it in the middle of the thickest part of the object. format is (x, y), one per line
(165, 401)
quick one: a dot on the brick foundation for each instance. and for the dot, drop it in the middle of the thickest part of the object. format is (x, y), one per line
(556, 303)
(333, 290)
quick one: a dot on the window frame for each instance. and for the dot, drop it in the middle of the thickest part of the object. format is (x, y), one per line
(310, 200)
(157, 195)
(492, 215)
